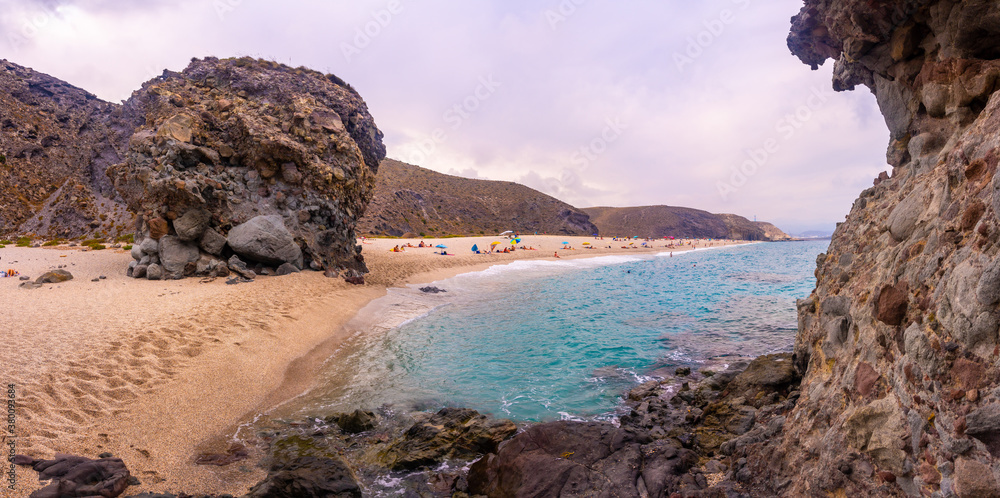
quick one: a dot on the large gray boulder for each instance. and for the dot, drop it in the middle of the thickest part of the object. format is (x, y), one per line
(175, 255)
(265, 239)
(192, 224)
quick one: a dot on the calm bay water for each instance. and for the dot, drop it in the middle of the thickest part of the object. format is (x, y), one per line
(545, 340)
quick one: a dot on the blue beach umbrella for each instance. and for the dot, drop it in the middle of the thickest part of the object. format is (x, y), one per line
(565, 243)
(441, 246)
(475, 248)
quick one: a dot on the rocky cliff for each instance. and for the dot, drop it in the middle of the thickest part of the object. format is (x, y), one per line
(417, 201)
(56, 142)
(899, 343)
(772, 232)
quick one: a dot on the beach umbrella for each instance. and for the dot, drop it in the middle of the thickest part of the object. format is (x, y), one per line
(565, 243)
(517, 240)
(636, 237)
(475, 248)
(507, 232)
(441, 246)
(513, 242)
(494, 243)
(586, 243)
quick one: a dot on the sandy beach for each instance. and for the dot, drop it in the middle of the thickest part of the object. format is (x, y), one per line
(157, 372)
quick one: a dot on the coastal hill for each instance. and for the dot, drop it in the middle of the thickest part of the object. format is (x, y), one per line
(671, 221)
(413, 200)
(56, 142)
(410, 200)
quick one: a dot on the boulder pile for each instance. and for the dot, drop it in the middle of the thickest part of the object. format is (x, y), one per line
(243, 165)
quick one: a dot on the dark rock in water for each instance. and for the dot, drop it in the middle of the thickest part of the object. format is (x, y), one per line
(450, 433)
(265, 239)
(582, 459)
(431, 290)
(287, 269)
(308, 477)
(54, 277)
(682, 371)
(235, 453)
(355, 422)
(74, 476)
(356, 280)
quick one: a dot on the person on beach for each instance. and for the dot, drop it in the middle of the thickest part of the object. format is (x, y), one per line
(556, 254)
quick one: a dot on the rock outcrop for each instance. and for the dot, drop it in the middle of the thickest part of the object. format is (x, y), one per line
(249, 157)
(772, 232)
(679, 444)
(899, 342)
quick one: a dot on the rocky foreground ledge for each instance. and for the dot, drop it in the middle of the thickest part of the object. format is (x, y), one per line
(683, 436)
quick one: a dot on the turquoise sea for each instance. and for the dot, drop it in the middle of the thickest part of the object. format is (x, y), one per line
(548, 340)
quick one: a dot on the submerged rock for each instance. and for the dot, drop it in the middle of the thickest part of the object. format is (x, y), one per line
(355, 422)
(450, 433)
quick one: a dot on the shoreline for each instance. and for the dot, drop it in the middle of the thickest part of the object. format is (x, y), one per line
(249, 348)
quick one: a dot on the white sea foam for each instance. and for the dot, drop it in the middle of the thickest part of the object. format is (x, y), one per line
(699, 249)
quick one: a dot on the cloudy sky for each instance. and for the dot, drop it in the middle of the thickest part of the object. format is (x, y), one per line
(596, 102)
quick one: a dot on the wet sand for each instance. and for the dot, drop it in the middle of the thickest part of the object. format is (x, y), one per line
(156, 372)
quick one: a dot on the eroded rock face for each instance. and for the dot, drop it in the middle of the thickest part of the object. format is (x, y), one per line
(56, 141)
(231, 142)
(899, 342)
